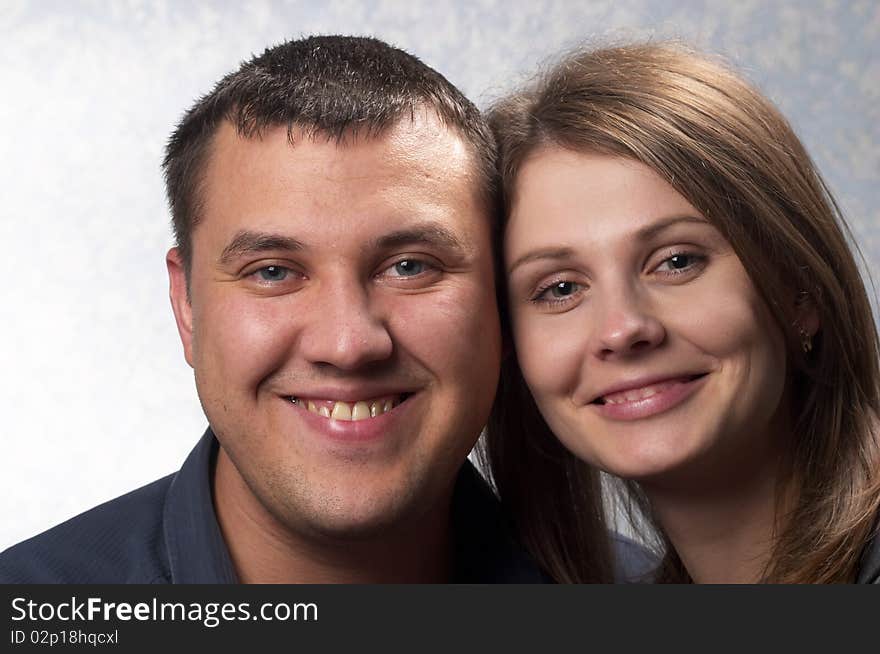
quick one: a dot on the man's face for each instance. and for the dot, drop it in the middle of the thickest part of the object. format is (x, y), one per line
(342, 322)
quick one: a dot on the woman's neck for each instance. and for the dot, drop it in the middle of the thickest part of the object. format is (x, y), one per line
(723, 528)
(720, 539)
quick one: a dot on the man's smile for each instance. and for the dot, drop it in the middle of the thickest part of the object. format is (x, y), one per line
(378, 419)
(353, 411)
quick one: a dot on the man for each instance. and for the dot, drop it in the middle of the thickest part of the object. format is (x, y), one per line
(333, 288)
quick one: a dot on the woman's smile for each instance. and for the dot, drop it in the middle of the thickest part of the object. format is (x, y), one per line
(639, 399)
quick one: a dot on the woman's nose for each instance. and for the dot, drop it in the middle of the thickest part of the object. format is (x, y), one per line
(626, 327)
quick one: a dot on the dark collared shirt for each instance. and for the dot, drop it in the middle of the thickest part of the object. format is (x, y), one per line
(167, 532)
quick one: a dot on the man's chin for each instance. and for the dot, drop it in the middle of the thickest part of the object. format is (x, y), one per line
(356, 515)
(349, 524)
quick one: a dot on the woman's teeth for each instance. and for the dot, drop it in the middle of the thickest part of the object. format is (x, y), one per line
(636, 394)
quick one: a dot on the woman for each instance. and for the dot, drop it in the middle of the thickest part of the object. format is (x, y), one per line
(689, 318)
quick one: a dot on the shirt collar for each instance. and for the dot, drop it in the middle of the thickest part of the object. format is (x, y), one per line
(197, 553)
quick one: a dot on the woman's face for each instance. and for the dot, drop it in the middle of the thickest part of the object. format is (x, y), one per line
(647, 348)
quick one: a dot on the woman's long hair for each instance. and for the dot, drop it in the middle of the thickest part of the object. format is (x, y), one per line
(732, 155)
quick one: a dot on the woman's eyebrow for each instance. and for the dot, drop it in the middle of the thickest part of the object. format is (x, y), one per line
(543, 253)
(650, 231)
(643, 234)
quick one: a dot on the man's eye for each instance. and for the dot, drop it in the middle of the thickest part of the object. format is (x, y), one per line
(273, 273)
(407, 268)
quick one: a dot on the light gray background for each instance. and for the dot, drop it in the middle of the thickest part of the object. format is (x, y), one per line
(96, 396)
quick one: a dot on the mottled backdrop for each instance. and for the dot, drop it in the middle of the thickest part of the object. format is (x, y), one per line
(96, 396)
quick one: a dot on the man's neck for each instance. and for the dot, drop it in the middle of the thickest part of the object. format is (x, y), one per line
(263, 550)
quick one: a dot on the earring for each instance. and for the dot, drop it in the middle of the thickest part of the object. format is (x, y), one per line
(806, 339)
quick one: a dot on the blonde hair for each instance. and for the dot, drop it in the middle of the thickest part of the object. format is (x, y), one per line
(733, 156)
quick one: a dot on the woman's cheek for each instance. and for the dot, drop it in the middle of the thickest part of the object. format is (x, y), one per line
(549, 352)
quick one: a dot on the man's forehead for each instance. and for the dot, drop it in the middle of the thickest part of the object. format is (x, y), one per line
(425, 164)
(411, 156)
(395, 187)
(409, 135)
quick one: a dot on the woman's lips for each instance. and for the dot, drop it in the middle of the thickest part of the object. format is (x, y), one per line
(648, 400)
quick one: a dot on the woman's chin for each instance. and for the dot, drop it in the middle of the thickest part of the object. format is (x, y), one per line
(644, 459)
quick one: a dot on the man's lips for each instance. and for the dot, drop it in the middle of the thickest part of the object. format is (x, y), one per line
(350, 410)
(351, 422)
(642, 389)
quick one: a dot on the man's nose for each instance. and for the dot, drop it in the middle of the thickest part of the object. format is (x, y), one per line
(345, 330)
(626, 326)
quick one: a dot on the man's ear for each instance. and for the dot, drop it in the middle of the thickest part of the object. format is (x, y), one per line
(180, 303)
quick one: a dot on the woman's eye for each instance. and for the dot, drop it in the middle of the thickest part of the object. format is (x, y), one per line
(557, 292)
(562, 289)
(273, 273)
(679, 263)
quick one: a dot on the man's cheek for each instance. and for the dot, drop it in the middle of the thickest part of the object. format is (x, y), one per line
(243, 342)
(470, 323)
(440, 311)
(474, 308)
(443, 329)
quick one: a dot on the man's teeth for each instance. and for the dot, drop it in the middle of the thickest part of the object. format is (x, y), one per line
(636, 394)
(351, 411)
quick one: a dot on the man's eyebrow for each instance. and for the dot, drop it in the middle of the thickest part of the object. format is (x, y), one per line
(644, 234)
(248, 242)
(433, 234)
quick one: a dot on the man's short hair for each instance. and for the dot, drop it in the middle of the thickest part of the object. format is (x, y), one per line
(332, 86)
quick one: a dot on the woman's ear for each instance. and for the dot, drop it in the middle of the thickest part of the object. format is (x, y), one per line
(806, 314)
(806, 320)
